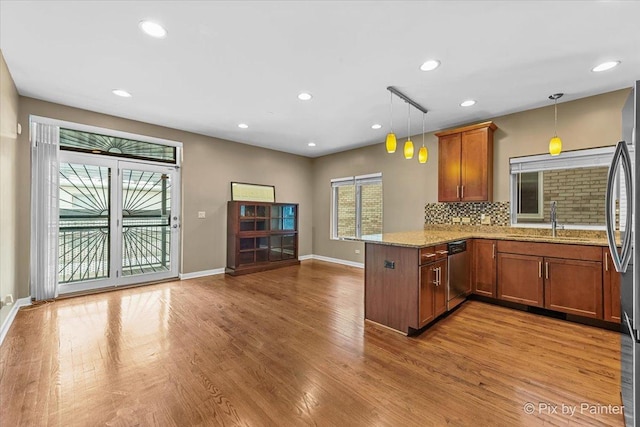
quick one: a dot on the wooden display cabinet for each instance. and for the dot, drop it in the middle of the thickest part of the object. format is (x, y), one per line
(261, 236)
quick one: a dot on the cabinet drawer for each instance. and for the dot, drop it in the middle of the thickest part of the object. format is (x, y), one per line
(433, 253)
(555, 250)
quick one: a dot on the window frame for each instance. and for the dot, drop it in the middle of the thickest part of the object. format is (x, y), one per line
(587, 157)
(540, 214)
(357, 181)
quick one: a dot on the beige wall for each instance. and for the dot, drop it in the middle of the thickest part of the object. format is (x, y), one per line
(9, 189)
(408, 185)
(209, 165)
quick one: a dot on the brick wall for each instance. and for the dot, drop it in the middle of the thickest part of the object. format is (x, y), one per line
(579, 192)
(371, 195)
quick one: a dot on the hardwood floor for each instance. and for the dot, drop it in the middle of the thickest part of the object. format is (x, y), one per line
(289, 347)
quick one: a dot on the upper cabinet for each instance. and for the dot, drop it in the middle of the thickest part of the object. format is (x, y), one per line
(465, 163)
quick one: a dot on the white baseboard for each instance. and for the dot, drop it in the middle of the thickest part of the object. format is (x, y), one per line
(305, 257)
(333, 260)
(20, 302)
(202, 273)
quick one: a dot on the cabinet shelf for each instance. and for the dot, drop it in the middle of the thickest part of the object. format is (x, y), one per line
(261, 236)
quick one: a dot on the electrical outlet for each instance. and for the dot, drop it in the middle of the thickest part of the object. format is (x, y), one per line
(485, 219)
(455, 220)
(8, 300)
(357, 251)
(466, 220)
(202, 214)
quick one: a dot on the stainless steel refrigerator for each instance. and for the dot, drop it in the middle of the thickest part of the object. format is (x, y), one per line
(624, 243)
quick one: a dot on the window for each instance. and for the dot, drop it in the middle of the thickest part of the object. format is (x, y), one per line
(576, 181)
(357, 206)
(530, 195)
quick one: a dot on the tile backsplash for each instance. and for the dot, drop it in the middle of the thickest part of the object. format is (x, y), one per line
(444, 213)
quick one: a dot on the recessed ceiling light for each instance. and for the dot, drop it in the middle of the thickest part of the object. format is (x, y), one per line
(153, 29)
(467, 103)
(304, 96)
(430, 65)
(121, 92)
(311, 144)
(376, 126)
(605, 66)
(243, 125)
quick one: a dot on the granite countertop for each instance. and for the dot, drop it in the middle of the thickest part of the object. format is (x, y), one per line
(434, 235)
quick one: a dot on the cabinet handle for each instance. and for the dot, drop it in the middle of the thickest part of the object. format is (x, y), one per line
(546, 265)
(462, 196)
(442, 253)
(540, 269)
(457, 191)
(493, 251)
(435, 276)
(439, 276)
(606, 261)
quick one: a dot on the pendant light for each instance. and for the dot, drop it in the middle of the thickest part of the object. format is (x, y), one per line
(423, 153)
(555, 144)
(408, 145)
(391, 137)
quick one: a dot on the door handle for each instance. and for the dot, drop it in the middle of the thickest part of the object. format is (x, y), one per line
(540, 269)
(546, 265)
(621, 156)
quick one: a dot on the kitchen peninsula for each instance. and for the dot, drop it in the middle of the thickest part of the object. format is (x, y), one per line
(407, 273)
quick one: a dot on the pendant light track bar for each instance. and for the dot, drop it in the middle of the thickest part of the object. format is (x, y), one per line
(406, 99)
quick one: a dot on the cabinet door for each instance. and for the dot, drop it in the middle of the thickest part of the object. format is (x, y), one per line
(484, 267)
(428, 276)
(520, 279)
(573, 286)
(476, 166)
(611, 292)
(440, 291)
(449, 168)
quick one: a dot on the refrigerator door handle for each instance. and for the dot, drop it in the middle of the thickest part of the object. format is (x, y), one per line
(620, 157)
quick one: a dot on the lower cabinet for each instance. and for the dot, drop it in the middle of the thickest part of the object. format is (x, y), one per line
(611, 289)
(433, 291)
(520, 279)
(561, 277)
(484, 264)
(573, 286)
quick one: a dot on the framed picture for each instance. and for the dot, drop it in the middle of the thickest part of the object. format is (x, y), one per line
(241, 191)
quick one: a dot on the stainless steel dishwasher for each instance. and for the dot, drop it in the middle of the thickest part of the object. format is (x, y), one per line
(459, 283)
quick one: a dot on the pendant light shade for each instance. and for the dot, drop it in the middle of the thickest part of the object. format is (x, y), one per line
(555, 143)
(408, 149)
(423, 154)
(391, 143)
(408, 145)
(555, 146)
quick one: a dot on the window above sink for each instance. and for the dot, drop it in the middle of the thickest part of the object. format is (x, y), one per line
(575, 180)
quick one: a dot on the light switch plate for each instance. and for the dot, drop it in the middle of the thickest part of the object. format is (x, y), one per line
(455, 220)
(202, 214)
(486, 220)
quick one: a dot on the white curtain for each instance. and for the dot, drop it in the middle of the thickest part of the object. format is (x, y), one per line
(44, 210)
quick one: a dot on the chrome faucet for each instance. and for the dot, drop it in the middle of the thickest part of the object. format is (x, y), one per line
(554, 218)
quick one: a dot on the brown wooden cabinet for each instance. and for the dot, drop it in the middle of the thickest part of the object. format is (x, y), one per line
(465, 163)
(405, 288)
(484, 262)
(573, 286)
(561, 277)
(611, 289)
(261, 236)
(520, 279)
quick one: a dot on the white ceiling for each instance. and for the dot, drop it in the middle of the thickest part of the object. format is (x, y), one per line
(227, 62)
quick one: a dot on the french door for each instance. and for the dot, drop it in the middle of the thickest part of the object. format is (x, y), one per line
(118, 222)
